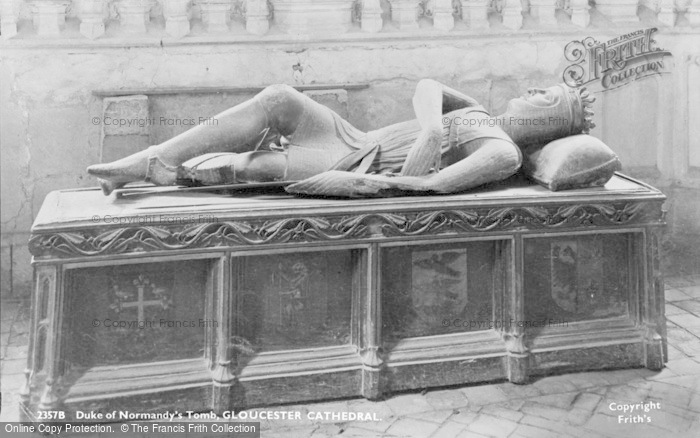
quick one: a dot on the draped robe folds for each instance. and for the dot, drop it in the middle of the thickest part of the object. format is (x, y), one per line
(323, 138)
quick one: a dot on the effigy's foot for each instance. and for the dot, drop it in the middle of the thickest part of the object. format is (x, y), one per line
(128, 169)
(113, 172)
(108, 186)
(142, 166)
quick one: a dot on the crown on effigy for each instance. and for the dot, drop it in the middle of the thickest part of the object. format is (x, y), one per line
(580, 104)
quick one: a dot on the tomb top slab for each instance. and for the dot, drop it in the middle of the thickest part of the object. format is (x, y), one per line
(84, 223)
(80, 206)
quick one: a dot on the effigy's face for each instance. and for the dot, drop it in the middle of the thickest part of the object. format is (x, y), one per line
(549, 111)
(536, 98)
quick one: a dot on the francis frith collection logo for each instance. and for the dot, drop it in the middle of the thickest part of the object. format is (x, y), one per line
(616, 62)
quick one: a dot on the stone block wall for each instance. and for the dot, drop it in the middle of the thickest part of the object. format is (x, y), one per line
(55, 96)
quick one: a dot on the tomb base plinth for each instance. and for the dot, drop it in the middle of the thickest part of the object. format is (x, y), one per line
(219, 302)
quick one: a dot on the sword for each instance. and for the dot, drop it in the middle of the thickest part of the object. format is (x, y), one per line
(152, 191)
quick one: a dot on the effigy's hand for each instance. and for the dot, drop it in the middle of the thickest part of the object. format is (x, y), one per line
(355, 185)
(338, 183)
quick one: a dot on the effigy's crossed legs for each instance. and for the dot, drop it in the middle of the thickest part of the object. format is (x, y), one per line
(277, 109)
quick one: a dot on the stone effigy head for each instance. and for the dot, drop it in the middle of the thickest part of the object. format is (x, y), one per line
(545, 114)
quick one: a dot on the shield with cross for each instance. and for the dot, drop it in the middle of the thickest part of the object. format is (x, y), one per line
(145, 294)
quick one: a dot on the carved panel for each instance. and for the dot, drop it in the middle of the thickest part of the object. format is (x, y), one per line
(291, 301)
(576, 278)
(437, 289)
(138, 313)
(311, 229)
(693, 110)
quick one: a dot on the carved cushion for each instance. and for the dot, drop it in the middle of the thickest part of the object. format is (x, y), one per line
(570, 163)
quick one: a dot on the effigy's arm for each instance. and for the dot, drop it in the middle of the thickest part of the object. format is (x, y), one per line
(430, 101)
(425, 152)
(494, 160)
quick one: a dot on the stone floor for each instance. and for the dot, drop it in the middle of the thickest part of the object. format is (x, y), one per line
(576, 405)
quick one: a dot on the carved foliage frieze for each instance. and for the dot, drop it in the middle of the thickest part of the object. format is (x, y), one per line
(132, 239)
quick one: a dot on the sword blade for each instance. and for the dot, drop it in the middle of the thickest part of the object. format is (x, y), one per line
(147, 191)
